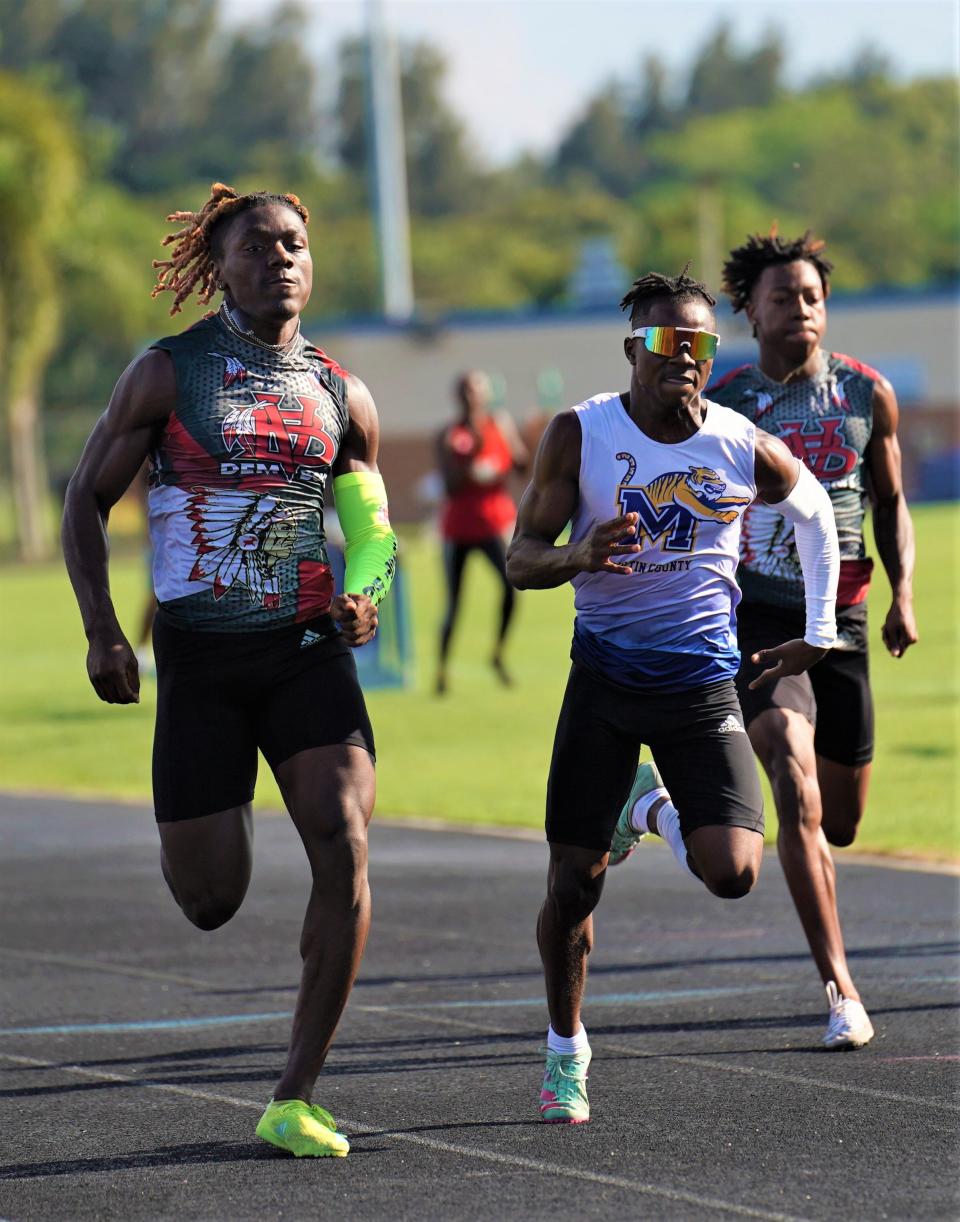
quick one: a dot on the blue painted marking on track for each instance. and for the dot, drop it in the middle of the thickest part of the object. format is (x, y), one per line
(224, 1020)
(651, 997)
(604, 999)
(183, 1024)
(474, 1003)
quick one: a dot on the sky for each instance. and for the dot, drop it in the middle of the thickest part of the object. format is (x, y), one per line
(520, 71)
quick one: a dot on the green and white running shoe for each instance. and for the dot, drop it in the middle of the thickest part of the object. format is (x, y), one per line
(563, 1098)
(625, 839)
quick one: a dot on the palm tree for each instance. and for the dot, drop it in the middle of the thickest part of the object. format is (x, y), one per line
(40, 172)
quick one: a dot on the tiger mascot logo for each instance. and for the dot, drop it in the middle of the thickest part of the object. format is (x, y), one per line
(670, 506)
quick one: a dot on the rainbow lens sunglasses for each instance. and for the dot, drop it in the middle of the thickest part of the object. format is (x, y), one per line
(669, 341)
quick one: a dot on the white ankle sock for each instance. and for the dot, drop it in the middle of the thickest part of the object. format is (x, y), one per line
(641, 808)
(668, 825)
(567, 1044)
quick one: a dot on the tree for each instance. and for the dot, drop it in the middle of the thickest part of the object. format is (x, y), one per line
(724, 79)
(179, 98)
(39, 174)
(351, 107)
(761, 72)
(440, 169)
(882, 189)
(713, 79)
(263, 113)
(26, 30)
(146, 69)
(442, 175)
(601, 145)
(652, 111)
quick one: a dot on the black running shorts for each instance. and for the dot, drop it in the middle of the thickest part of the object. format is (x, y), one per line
(223, 695)
(698, 743)
(834, 695)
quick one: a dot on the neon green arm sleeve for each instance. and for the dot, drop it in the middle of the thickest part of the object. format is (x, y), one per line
(371, 546)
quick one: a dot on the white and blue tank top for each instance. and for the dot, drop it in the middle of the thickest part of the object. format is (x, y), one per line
(672, 622)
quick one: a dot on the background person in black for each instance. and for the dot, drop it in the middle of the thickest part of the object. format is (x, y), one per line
(814, 733)
(305, 710)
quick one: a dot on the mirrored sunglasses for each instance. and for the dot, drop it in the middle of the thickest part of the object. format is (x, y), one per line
(669, 341)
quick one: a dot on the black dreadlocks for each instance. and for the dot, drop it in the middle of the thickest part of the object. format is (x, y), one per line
(748, 262)
(656, 287)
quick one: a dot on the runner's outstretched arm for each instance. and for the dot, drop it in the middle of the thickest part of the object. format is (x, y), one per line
(892, 525)
(371, 546)
(533, 559)
(115, 452)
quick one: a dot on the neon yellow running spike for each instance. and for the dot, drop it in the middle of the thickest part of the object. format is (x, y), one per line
(302, 1130)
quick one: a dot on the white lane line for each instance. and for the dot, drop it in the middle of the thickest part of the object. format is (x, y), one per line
(223, 1020)
(430, 1143)
(602, 1046)
(98, 965)
(431, 1016)
(818, 1083)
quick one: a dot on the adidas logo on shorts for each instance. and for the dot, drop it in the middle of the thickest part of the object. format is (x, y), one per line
(310, 638)
(730, 725)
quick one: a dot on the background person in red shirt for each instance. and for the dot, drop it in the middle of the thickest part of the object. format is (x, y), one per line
(476, 456)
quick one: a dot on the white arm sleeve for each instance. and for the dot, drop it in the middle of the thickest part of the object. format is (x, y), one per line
(815, 529)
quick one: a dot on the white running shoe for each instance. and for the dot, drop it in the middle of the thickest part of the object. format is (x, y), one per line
(850, 1025)
(625, 835)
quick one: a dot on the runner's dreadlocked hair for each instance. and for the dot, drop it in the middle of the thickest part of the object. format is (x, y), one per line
(191, 265)
(655, 287)
(748, 262)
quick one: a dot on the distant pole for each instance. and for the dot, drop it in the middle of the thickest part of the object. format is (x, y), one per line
(389, 167)
(710, 227)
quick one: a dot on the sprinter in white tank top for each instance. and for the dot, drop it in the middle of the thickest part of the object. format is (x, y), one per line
(654, 481)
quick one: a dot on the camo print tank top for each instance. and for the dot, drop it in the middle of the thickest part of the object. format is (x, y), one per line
(237, 482)
(826, 422)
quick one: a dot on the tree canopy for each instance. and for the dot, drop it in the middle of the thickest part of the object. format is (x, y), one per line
(112, 115)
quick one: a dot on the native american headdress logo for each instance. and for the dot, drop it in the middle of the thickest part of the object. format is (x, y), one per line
(838, 392)
(235, 370)
(764, 400)
(238, 431)
(240, 537)
(767, 542)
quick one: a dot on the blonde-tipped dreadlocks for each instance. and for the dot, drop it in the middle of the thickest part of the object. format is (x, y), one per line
(748, 262)
(191, 266)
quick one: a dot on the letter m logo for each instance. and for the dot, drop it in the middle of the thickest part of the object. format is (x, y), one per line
(671, 523)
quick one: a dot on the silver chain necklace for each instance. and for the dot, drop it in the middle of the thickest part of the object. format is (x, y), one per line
(231, 322)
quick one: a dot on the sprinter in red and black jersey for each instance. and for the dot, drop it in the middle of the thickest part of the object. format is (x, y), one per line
(813, 733)
(247, 428)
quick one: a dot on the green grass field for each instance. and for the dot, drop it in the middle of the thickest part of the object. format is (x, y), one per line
(480, 754)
